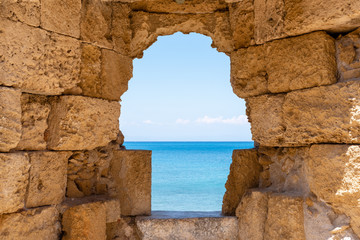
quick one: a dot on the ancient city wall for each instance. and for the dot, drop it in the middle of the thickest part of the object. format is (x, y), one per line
(65, 64)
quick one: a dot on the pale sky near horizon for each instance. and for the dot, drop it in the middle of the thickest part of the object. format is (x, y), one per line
(181, 91)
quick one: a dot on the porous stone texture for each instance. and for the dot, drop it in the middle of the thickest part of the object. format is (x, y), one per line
(33, 224)
(82, 123)
(86, 221)
(285, 65)
(10, 121)
(35, 111)
(14, 174)
(124, 229)
(47, 68)
(47, 181)
(148, 26)
(277, 19)
(104, 73)
(244, 174)
(27, 11)
(131, 173)
(61, 16)
(196, 228)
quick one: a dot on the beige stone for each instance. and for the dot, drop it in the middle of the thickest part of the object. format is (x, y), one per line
(252, 214)
(61, 16)
(10, 121)
(284, 65)
(285, 219)
(34, 224)
(47, 181)
(86, 221)
(13, 181)
(123, 229)
(47, 68)
(131, 173)
(82, 123)
(27, 11)
(148, 26)
(277, 19)
(191, 226)
(244, 174)
(35, 112)
(121, 31)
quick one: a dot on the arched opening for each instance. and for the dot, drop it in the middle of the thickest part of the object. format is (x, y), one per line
(181, 106)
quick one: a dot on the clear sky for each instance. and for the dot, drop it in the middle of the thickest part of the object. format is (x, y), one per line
(181, 91)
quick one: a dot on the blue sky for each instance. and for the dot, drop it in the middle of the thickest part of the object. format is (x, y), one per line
(181, 91)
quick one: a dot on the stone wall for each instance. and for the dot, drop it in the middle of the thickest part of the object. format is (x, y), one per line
(64, 65)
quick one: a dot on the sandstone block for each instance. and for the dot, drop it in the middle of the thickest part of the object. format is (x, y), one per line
(252, 214)
(48, 68)
(244, 174)
(121, 31)
(14, 174)
(82, 123)
(27, 11)
(131, 171)
(10, 121)
(124, 229)
(284, 65)
(86, 221)
(34, 224)
(277, 19)
(47, 182)
(61, 16)
(35, 112)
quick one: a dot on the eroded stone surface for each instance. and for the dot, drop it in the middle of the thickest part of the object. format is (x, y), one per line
(285, 65)
(14, 176)
(47, 68)
(244, 174)
(10, 121)
(27, 11)
(37, 223)
(82, 123)
(131, 171)
(124, 229)
(47, 181)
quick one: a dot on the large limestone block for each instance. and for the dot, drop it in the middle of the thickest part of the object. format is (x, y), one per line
(121, 31)
(14, 177)
(47, 181)
(148, 26)
(252, 214)
(277, 19)
(124, 229)
(35, 112)
(82, 123)
(131, 171)
(48, 68)
(284, 65)
(104, 73)
(10, 121)
(27, 11)
(285, 218)
(61, 16)
(244, 174)
(189, 226)
(34, 224)
(86, 221)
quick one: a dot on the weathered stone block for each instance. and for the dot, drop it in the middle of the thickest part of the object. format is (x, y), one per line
(124, 229)
(37, 223)
(86, 221)
(47, 182)
(14, 175)
(35, 112)
(284, 65)
(131, 171)
(82, 123)
(61, 16)
(10, 121)
(277, 19)
(48, 68)
(27, 11)
(121, 32)
(244, 174)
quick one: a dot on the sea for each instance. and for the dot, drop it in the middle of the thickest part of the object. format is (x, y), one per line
(189, 176)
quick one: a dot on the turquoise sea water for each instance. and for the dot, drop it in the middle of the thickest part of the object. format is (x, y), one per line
(189, 176)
